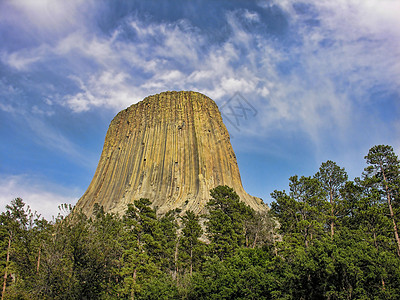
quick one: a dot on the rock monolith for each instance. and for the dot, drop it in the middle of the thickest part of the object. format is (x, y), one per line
(171, 148)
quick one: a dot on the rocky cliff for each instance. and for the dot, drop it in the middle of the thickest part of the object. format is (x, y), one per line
(171, 148)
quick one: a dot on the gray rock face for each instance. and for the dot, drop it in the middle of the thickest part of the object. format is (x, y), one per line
(171, 148)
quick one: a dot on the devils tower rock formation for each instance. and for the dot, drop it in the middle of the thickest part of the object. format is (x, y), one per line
(171, 148)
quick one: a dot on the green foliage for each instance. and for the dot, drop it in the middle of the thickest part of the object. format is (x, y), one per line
(326, 238)
(169, 241)
(332, 179)
(226, 221)
(191, 248)
(159, 287)
(383, 176)
(302, 214)
(248, 274)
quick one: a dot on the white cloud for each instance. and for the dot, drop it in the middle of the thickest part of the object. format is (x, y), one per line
(339, 60)
(45, 16)
(362, 38)
(251, 16)
(239, 36)
(180, 59)
(106, 89)
(117, 85)
(41, 197)
(7, 108)
(19, 61)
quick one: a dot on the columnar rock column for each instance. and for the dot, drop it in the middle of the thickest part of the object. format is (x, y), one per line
(171, 148)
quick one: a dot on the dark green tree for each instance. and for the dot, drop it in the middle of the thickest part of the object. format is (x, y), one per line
(56, 278)
(246, 274)
(226, 221)
(191, 246)
(159, 287)
(22, 247)
(169, 242)
(5, 240)
(332, 179)
(383, 172)
(142, 244)
(302, 214)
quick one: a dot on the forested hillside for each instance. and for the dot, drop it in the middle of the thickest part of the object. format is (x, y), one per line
(325, 238)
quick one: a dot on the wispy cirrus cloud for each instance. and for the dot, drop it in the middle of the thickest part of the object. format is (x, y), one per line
(51, 138)
(42, 197)
(45, 20)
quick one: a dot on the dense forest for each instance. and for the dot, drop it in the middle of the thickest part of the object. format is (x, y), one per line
(325, 238)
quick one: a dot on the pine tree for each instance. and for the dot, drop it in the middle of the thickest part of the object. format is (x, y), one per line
(226, 221)
(191, 232)
(332, 178)
(302, 213)
(384, 173)
(142, 254)
(22, 248)
(169, 242)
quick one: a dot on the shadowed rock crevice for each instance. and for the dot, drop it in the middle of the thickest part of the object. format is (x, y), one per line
(171, 148)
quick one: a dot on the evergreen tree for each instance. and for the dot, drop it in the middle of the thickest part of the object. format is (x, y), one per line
(22, 247)
(56, 278)
(247, 274)
(142, 246)
(226, 221)
(302, 213)
(190, 243)
(384, 172)
(105, 232)
(332, 178)
(5, 240)
(169, 242)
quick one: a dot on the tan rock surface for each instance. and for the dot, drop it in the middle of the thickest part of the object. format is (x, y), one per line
(171, 148)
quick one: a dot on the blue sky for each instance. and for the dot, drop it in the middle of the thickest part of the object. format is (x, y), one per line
(322, 79)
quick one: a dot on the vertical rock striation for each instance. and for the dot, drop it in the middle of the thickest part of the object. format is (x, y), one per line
(171, 148)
